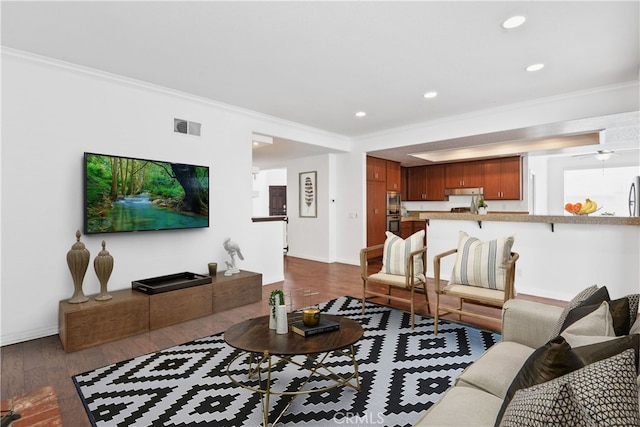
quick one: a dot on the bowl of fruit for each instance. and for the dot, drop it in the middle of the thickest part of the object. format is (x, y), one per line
(586, 208)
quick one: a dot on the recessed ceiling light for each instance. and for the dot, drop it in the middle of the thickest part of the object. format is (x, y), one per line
(513, 22)
(535, 67)
(431, 94)
(361, 114)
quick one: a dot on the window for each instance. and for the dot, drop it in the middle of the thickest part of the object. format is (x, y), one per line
(609, 187)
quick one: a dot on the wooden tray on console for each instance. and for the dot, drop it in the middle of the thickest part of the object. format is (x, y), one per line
(171, 282)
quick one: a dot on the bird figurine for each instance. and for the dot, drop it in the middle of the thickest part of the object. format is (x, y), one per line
(232, 249)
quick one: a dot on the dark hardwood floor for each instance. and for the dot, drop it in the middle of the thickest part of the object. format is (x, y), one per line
(37, 363)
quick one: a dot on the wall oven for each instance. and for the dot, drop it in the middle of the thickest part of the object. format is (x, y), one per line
(393, 203)
(393, 224)
(393, 212)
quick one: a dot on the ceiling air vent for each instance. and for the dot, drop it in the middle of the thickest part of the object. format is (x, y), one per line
(186, 127)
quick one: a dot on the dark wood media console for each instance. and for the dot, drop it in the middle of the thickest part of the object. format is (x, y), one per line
(130, 312)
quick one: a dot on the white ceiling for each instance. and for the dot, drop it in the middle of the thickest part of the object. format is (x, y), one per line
(318, 63)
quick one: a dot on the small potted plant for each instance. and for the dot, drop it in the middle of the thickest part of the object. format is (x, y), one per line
(482, 206)
(276, 298)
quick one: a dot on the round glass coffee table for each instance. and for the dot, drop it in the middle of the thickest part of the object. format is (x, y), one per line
(266, 350)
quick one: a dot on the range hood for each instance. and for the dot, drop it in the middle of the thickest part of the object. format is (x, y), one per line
(470, 191)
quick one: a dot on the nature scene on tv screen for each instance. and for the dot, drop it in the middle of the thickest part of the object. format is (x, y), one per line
(126, 194)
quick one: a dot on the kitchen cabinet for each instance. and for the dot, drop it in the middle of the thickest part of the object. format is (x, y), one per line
(425, 183)
(435, 182)
(503, 178)
(382, 176)
(416, 183)
(393, 176)
(376, 215)
(463, 174)
(376, 169)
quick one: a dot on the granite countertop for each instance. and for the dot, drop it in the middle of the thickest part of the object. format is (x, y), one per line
(525, 217)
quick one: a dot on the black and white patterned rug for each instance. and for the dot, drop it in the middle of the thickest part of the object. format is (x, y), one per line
(402, 373)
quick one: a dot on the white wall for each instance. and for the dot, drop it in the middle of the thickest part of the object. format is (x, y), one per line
(53, 112)
(309, 237)
(351, 206)
(555, 264)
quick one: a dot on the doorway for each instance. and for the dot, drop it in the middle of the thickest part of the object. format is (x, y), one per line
(277, 200)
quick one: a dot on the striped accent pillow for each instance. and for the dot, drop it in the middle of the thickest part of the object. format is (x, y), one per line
(395, 253)
(482, 264)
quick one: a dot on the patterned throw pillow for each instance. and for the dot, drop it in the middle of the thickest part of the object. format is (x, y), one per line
(606, 390)
(480, 263)
(575, 302)
(553, 406)
(395, 253)
(550, 361)
(634, 302)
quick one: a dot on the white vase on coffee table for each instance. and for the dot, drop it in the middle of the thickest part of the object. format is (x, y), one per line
(282, 326)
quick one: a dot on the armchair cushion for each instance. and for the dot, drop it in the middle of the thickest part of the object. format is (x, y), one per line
(489, 296)
(480, 263)
(395, 253)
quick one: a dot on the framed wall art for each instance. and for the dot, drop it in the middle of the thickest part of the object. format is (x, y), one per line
(308, 194)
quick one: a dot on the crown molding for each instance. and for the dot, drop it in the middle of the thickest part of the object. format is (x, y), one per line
(140, 84)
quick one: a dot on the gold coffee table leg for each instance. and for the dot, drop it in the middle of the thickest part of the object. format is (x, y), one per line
(264, 397)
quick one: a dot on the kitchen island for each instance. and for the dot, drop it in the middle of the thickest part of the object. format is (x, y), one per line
(559, 255)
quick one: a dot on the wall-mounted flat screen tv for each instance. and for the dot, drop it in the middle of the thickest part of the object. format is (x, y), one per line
(128, 194)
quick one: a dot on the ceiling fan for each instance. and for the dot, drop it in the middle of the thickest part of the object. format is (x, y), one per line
(601, 155)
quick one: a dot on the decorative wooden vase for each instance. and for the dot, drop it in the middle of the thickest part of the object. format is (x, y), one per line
(78, 261)
(103, 264)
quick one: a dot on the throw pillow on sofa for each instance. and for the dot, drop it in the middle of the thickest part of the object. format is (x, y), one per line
(623, 310)
(635, 328)
(619, 309)
(606, 390)
(598, 322)
(550, 406)
(550, 361)
(575, 302)
(557, 358)
(609, 348)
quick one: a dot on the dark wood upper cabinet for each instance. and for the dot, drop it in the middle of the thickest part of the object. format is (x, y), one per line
(394, 180)
(424, 183)
(503, 178)
(416, 183)
(464, 174)
(435, 182)
(376, 169)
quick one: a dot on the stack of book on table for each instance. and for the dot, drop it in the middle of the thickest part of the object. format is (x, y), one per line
(325, 325)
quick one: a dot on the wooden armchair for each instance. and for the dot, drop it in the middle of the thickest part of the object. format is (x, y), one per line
(409, 281)
(477, 295)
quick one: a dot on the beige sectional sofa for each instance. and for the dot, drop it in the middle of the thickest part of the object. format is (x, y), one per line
(477, 395)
